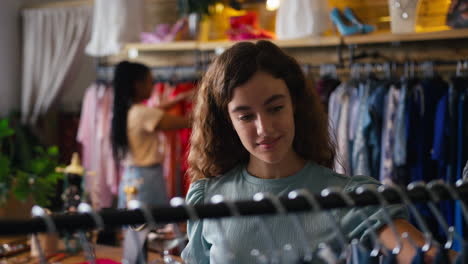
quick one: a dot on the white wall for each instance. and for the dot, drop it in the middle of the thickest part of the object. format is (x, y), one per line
(10, 62)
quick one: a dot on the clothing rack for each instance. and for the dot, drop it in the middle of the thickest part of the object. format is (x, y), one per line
(158, 72)
(167, 214)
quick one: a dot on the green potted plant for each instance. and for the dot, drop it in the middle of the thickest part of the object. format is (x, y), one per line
(27, 169)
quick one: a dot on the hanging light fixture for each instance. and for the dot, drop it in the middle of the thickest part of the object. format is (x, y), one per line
(272, 5)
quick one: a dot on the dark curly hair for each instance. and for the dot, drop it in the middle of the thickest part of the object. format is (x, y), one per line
(215, 147)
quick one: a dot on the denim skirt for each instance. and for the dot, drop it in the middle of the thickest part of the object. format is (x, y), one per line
(149, 182)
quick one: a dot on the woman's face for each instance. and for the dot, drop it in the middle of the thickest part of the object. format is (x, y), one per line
(262, 114)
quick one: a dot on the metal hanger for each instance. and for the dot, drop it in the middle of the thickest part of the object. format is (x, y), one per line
(137, 205)
(275, 251)
(350, 203)
(217, 199)
(191, 212)
(428, 237)
(383, 204)
(294, 219)
(261, 258)
(84, 208)
(313, 203)
(433, 208)
(449, 230)
(453, 194)
(180, 238)
(37, 211)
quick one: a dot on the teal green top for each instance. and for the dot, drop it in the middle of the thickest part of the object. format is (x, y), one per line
(207, 242)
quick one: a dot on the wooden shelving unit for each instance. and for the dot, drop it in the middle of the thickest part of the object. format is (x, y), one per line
(307, 42)
(409, 37)
(171, 46)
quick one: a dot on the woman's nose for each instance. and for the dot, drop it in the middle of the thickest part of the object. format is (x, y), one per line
(264, 126)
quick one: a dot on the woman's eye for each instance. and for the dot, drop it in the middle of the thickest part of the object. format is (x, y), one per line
(246, 117)
(276, 109)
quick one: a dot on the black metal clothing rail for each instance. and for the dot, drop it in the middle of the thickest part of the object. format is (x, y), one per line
(167, 214)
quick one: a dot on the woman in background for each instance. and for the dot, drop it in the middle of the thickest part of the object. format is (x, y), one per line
(135, 141)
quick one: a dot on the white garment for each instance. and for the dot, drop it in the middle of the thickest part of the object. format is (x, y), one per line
(115, 22)
(301, 18)
(53, 42)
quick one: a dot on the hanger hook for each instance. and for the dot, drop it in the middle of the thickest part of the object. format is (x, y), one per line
(419, 219)
(217, 199)
(190, 210)
(235, 213)
(149, 221)
(384, 204)
(450, 230)
(37, 211)
(137, 205)
(84, 208)
(346, 198)
(453, 194)
(342, 238)
(433, 198)
(281, 209)
(316, 207)
(259, 197)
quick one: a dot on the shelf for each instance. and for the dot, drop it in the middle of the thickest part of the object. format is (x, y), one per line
(407, 37)
(293, 43)
(169, 46)
(307, 42)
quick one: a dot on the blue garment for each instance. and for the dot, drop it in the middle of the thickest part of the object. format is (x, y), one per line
(399, 152)
(390, 259)
(376, 108)
(440, 153)
(419, 257)
(150, 184)
(353, 104)
(422, 107)
(244, 233)
(441, 137)
(360, 154)
(428, 94)
(450, 212)
(462, 131)
(387, 172)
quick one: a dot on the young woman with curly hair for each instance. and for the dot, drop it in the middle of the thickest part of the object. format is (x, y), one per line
(258, 127)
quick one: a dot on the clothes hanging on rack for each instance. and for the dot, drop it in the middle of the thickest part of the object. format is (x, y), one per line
(175, 145)
(411, 126)
(102, 177)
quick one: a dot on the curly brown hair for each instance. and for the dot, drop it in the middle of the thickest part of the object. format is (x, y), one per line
(215, 147)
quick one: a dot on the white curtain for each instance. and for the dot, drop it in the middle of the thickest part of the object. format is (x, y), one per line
(53, 41)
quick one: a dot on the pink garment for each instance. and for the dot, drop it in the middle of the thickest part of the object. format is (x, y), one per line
(163, 32)
(94, 135)
(85, 131)
(102, 261)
